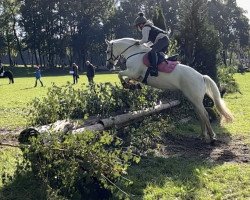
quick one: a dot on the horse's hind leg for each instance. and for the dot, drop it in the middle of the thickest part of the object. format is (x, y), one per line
(202, 123)
(205, 121)
(197, 101)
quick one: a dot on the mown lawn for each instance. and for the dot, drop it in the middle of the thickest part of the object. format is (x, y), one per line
(155, 177)
(239, 105)
(14, 97)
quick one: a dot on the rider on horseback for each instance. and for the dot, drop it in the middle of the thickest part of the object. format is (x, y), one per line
(1, 69)
(157, 36)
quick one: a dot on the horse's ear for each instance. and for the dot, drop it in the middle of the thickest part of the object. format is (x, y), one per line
(107, 42)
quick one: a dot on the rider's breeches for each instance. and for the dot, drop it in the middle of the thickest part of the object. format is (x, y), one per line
(160, 46)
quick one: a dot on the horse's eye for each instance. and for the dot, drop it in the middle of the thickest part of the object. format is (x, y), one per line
(107, 51)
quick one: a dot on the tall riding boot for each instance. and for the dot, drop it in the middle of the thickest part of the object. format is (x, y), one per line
(153, 69)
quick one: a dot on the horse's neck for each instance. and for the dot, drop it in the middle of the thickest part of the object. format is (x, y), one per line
(132, 50)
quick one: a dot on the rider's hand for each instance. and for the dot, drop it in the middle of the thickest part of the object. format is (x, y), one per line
(137, 42)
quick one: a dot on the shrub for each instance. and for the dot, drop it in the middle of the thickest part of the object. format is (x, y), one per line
(101, 99)
(87, 165)
(92, 164)
(226, 78)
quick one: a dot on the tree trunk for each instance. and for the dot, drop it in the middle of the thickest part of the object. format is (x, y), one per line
(36, 58)
(9, 53)
(18, 43)
(40, 56)
(103, 124)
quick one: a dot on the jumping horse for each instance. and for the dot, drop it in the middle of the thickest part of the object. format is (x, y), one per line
(8, 74)
(184, 78)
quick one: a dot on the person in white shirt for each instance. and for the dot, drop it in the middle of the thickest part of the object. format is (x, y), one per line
(157, 36)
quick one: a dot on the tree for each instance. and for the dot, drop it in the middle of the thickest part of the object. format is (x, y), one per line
(8, 18)
(62, 28)
(159, 19)
(232, 25)
(198, 40)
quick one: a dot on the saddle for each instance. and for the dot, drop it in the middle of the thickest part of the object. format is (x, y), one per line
(165, 64)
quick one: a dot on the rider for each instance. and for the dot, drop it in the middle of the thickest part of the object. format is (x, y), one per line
(1, 69)
(155, 35)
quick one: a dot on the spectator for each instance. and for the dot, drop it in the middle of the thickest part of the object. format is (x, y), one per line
(75, 73)
(38, 75)
(1, 69)
(90, 72)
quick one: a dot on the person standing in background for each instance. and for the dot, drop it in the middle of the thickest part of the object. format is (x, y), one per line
(75, 73)
(1, 68)
(90, 72)
(38, 75)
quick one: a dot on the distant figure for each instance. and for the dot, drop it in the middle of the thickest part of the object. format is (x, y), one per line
(90, 72)
(38, 75)
(6, 74)
(1, 69)
(75, 73)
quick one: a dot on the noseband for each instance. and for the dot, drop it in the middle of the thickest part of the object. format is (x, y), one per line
(113, 57)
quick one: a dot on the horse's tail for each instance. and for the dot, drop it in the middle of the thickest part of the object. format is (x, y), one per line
(213, 92)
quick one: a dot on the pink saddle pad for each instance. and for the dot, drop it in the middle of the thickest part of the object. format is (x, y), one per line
(165, 66)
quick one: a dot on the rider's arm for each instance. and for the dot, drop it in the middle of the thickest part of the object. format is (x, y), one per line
(145, 35)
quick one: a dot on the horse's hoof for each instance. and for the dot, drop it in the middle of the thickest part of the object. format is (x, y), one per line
(213, 141)
(138, 86)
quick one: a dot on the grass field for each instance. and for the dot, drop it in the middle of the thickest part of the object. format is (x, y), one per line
(14, 97)
(192, 176)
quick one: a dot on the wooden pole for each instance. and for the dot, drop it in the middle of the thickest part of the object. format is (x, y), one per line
(103, 124)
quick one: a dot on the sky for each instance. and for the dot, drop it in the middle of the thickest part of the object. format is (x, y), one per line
(245, 4)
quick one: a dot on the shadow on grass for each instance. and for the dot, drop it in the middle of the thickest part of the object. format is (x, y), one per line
(25, 187)
(173, 175)
(27, 88)
(175, 171)
(4, 83)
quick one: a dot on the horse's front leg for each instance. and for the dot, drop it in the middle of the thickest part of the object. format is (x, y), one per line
(120, 76)
(126, 81)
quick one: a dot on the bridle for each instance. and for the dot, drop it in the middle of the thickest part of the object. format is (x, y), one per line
(113, 57)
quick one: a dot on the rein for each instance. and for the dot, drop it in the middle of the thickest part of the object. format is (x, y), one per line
(114, 58)
(136, 54)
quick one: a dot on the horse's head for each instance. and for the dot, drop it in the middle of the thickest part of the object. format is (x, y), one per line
(111, 58)
(116, 48)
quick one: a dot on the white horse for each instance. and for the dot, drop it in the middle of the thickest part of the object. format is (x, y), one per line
(193, 84)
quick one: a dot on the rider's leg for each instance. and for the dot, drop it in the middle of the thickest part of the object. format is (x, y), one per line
(154, 58)
(160, 46)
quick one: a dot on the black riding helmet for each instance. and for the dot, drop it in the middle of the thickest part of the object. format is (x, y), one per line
(140, 19)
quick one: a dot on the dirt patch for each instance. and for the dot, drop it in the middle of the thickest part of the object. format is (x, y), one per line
(224, 150)
(9, 137)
